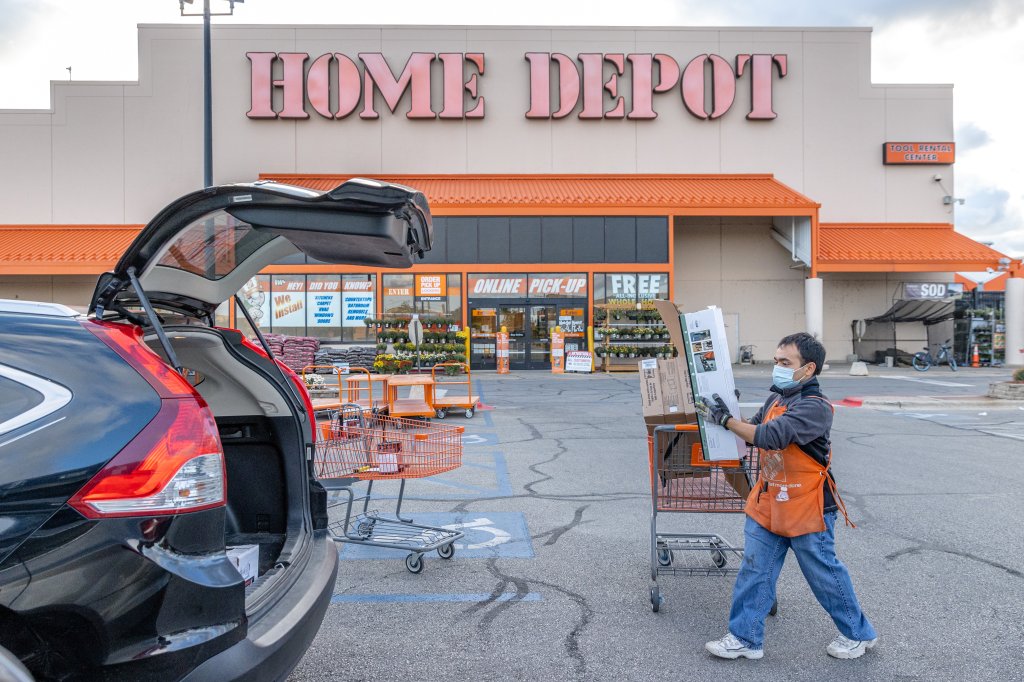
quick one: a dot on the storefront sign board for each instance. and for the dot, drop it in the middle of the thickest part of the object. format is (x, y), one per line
(919, 153)
(579, 361)
(931, 290)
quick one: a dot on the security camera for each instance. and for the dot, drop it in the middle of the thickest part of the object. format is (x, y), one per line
(936, 177)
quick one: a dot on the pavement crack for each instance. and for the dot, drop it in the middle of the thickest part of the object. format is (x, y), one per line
(545, 477)
(572, 639)
(930, 547)
(555, 534)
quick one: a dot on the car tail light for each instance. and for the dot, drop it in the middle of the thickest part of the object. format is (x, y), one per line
(176, 463)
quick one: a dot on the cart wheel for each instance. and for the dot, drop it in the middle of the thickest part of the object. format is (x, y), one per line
(440, 413)
(446, 551)
(414, 563)
(719, 558)
(664, 557)
(470, 412)
(775, 608)
(656, 598)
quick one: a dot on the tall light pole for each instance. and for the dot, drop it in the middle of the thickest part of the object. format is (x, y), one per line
(207, 81)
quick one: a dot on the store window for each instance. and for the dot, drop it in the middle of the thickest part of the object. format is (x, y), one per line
(288, 304)
(429, 295)
(358, 303)
(323, 307)
(255, 296)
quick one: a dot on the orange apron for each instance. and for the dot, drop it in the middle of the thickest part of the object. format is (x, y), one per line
(789, 498)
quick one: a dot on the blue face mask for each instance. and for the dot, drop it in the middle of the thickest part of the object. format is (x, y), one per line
(783, 379)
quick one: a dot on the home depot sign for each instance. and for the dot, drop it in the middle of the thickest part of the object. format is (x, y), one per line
(335, 85)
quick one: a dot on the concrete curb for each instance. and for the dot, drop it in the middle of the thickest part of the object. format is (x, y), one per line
(960, 402)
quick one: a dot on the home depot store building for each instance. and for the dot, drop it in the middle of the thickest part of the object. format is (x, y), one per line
(755, 169)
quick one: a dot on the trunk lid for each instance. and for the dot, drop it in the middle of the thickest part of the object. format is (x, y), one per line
(201, 249)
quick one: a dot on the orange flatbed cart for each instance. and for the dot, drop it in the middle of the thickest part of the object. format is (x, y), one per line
(360, 388)
(325, 403)
(459, 391)
(410, 407)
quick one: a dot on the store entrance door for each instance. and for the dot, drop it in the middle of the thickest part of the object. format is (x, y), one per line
(529, 328)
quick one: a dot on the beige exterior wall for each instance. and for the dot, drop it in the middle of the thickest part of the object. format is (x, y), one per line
(118, 152)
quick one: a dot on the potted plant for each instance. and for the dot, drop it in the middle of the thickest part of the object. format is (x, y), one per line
(632, 351)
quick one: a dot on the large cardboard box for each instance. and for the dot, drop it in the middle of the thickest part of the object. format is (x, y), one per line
(665, 393)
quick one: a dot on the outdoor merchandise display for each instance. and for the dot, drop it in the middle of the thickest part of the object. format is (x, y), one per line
(294, 351)
(347, 356)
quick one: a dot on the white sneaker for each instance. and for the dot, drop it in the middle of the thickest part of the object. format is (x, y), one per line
(730, 647)
(843, 647)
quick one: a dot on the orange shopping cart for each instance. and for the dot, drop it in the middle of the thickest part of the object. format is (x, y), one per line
(682, 481)
(357, 446)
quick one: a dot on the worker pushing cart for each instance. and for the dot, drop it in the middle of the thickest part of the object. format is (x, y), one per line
(683, 482)
(373, 447)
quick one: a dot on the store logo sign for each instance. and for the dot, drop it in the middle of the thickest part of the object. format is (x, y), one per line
(335, 85)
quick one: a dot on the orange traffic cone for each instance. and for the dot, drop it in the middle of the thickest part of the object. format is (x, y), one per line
(975, 358)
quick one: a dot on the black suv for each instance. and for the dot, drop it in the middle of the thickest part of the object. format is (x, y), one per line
(141, 441)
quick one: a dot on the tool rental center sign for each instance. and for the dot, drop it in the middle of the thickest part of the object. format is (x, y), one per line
(607, 86)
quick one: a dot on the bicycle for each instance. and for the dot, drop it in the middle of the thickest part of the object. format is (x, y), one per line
(922, 361)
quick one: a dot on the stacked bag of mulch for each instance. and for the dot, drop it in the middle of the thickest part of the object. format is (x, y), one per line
(299, 351)
(355, 356)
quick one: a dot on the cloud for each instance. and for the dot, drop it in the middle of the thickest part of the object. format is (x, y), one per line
(989, 215)
(970, 136)
(15, 15)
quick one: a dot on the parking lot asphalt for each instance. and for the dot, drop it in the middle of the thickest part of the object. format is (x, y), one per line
(552, 578)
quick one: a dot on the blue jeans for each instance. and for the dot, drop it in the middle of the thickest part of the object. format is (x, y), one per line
(763, 555)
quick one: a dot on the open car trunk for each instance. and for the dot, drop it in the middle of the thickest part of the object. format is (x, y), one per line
(260, 429)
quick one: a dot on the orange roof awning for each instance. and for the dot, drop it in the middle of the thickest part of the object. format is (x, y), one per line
(899, 247)
(63, 249)
(760, 195)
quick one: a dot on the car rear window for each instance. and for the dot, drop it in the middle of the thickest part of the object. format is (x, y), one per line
(213, 246)
(17, 399)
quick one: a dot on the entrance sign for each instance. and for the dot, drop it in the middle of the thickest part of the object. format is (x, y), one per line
(557, 352)
(431, 285)
(501, 340)
(579, 361)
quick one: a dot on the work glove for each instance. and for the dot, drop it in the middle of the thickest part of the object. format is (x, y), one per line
(714, 410)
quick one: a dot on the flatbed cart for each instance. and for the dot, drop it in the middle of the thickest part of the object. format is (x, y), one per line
(360, 388)
(372, 447)
(324, 403)
(459, 391)
(683, 482)
(410, 407)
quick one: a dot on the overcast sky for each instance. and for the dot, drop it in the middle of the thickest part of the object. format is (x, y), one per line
(978, 45)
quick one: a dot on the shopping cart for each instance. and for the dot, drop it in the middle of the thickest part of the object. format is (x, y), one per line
(372, 447)
(683, 482)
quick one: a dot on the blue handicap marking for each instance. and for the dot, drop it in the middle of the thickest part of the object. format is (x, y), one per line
(479, 439)
(487, 535)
